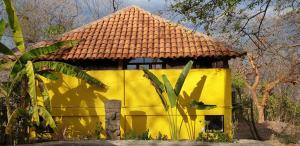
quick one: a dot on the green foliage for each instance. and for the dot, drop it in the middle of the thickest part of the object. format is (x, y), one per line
(98, 130)
(238, 81)
(31, 83)
(2, 28)
(24, 76)
(172, 93)
(134, 136)
(182, 77)
(15, 25)
(229, 15)
(54, 30)
(67, 69)
(161, 136)
(283, 108)
(213, 137)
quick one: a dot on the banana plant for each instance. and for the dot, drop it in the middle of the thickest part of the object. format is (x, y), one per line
(25, 69)
(166, 91)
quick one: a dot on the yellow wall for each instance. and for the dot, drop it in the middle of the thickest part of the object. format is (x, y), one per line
(78, 106)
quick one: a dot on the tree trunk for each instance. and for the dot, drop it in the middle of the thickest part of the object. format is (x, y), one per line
(261, 114)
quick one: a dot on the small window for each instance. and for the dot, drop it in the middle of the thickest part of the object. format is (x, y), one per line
(149, 63)
(214, 123)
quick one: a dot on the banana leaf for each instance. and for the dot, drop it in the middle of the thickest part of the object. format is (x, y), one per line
(2, 27)
(14, 25)
(201, 106)
(182, 77)
(31, 83)
(35, 115)
(48, 75)
(5, 50)
(16, 80)
(47, 117)
(13, 119)
(39, 52)
(44, 92)
(170, 91)
(67, 70)
(158, 85)
(154, 80)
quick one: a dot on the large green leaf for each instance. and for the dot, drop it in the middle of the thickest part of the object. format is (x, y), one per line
(44, 92)
(13, 119)
(15, 25)
(31, 83)
(5, 50)
(159, 86)
(38, 52)
(170, 91)
(35, 115)
(47, 117)
(182, 77)
(2, 28)
(16, 80)
(48, 75)
(201, 105)
(154, 80)
(67, 70)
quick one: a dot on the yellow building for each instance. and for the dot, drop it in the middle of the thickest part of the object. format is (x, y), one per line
(113, 49)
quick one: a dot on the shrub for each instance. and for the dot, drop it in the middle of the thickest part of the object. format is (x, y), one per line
(134, 136)
(213, 137)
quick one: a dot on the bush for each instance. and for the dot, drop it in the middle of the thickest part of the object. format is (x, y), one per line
(213, 137)
(134, 136)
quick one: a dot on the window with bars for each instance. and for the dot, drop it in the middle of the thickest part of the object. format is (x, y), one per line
(149, 63)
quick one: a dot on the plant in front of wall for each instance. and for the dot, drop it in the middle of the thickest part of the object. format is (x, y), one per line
(213, 137)
(27, 74)
(135, 136)
(161, 136)
(99, 129)
(165, 89)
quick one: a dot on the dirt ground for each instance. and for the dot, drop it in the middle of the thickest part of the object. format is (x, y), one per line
(272, 132)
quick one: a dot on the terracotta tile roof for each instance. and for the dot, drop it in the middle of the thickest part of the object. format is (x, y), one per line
(134, 33)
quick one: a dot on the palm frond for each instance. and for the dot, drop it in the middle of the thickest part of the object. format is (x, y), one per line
(182, 77)
(13, 119)
(170, 91)
(15, 25)
(67, 70)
